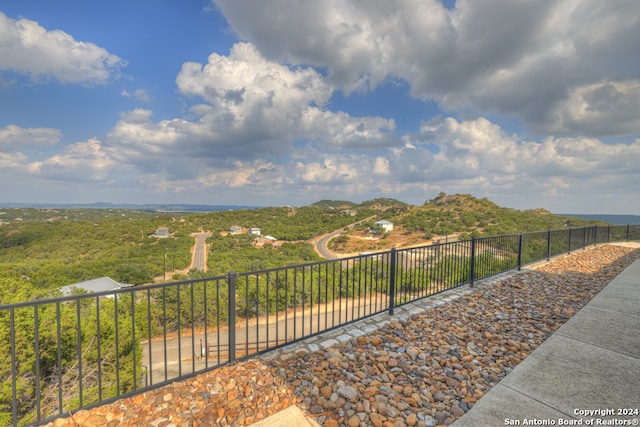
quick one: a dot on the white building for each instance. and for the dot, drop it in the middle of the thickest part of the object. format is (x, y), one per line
(384, 224)
(94, 285)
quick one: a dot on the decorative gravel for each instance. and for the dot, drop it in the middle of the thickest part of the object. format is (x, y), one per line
(426, 371)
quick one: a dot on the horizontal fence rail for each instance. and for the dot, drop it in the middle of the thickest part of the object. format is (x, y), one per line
(80, 351)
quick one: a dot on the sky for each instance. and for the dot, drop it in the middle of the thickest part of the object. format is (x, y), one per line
(531, 104)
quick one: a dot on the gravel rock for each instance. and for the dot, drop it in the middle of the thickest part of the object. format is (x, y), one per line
(424, 370)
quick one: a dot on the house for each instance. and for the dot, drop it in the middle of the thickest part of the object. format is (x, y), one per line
(384, 224)
(350, 212)
(101, 284)
(162, 232)
(235, 229)
(254, 231)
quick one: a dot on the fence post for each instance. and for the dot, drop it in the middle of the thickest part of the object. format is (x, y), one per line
(584, 238)
(595, 238)
(232, 316)
(569, 240)
(608, 233)
(473, 260)
(520, 252)
(628, 232)
(392, 282)
(548, 245)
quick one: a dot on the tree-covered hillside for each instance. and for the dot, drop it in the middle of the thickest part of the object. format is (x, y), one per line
(42, 250)
(463, 213)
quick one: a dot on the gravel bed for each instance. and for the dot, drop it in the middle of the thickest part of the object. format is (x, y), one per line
(426, 371)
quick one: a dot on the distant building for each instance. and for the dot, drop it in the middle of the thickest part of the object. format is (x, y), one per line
(350, 212)
(162, 232)
(254, 231)
(235, 229)
(101, 284)
(384, 224)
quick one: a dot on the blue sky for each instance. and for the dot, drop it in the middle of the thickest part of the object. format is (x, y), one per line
(530, 104)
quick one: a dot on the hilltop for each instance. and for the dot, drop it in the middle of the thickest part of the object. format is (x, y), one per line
(447, 218)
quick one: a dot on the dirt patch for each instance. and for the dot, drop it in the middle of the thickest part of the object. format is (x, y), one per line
(358, 241)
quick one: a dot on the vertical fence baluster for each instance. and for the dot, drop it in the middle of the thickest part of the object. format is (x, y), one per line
(232, 316)
(59, 356)
(79, 349)
(193, 331)
(36, 336)
(472, 267)
(14, 367)
(520, 252)
(392, 282)
(99, 338)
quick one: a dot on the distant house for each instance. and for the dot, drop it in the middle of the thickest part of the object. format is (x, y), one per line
(162, 232)
(254, 231)
(350, 212)
(384, 224)
(101, 284)
(235, 229)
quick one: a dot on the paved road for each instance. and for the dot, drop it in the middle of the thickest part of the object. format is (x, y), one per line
(183, 355)
(200, 252)
(321, 243)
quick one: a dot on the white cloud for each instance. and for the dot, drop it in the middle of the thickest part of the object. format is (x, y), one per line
(11, 160)
(28, 48)
(604, 108)
(253, 110)
(536, 60)
(13, 136)
(86, 161)
(139, 94)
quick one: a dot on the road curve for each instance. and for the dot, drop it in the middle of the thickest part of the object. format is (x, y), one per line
(321, 243)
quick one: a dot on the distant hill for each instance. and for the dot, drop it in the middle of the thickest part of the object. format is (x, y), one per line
(145, 207)
(379, 204)
(463, 213)
(333, 204)
(612, 219)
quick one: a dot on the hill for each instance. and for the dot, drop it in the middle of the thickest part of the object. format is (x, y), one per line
(379, 204)
(463, 213)
(450, 217)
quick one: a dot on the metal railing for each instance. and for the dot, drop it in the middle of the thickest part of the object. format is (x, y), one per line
(84, 350)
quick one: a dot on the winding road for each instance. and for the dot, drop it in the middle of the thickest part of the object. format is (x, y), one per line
(166, 358)
(321, 243)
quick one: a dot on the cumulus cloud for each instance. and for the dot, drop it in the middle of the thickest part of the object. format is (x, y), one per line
(547, 62)
(80, 161)
(30, 49)
(16, 137)
(479, 156)
(139, 94)
(246, 109)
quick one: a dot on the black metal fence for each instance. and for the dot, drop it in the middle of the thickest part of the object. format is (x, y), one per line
(83, 350)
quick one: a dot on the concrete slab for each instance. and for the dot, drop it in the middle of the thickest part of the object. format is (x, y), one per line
(567, 374)
(290, 417)
(502, 404)
(591, 363)
(594, 324)
(620, 300)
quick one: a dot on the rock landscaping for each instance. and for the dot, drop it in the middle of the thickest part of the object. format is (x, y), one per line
(426, 370)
